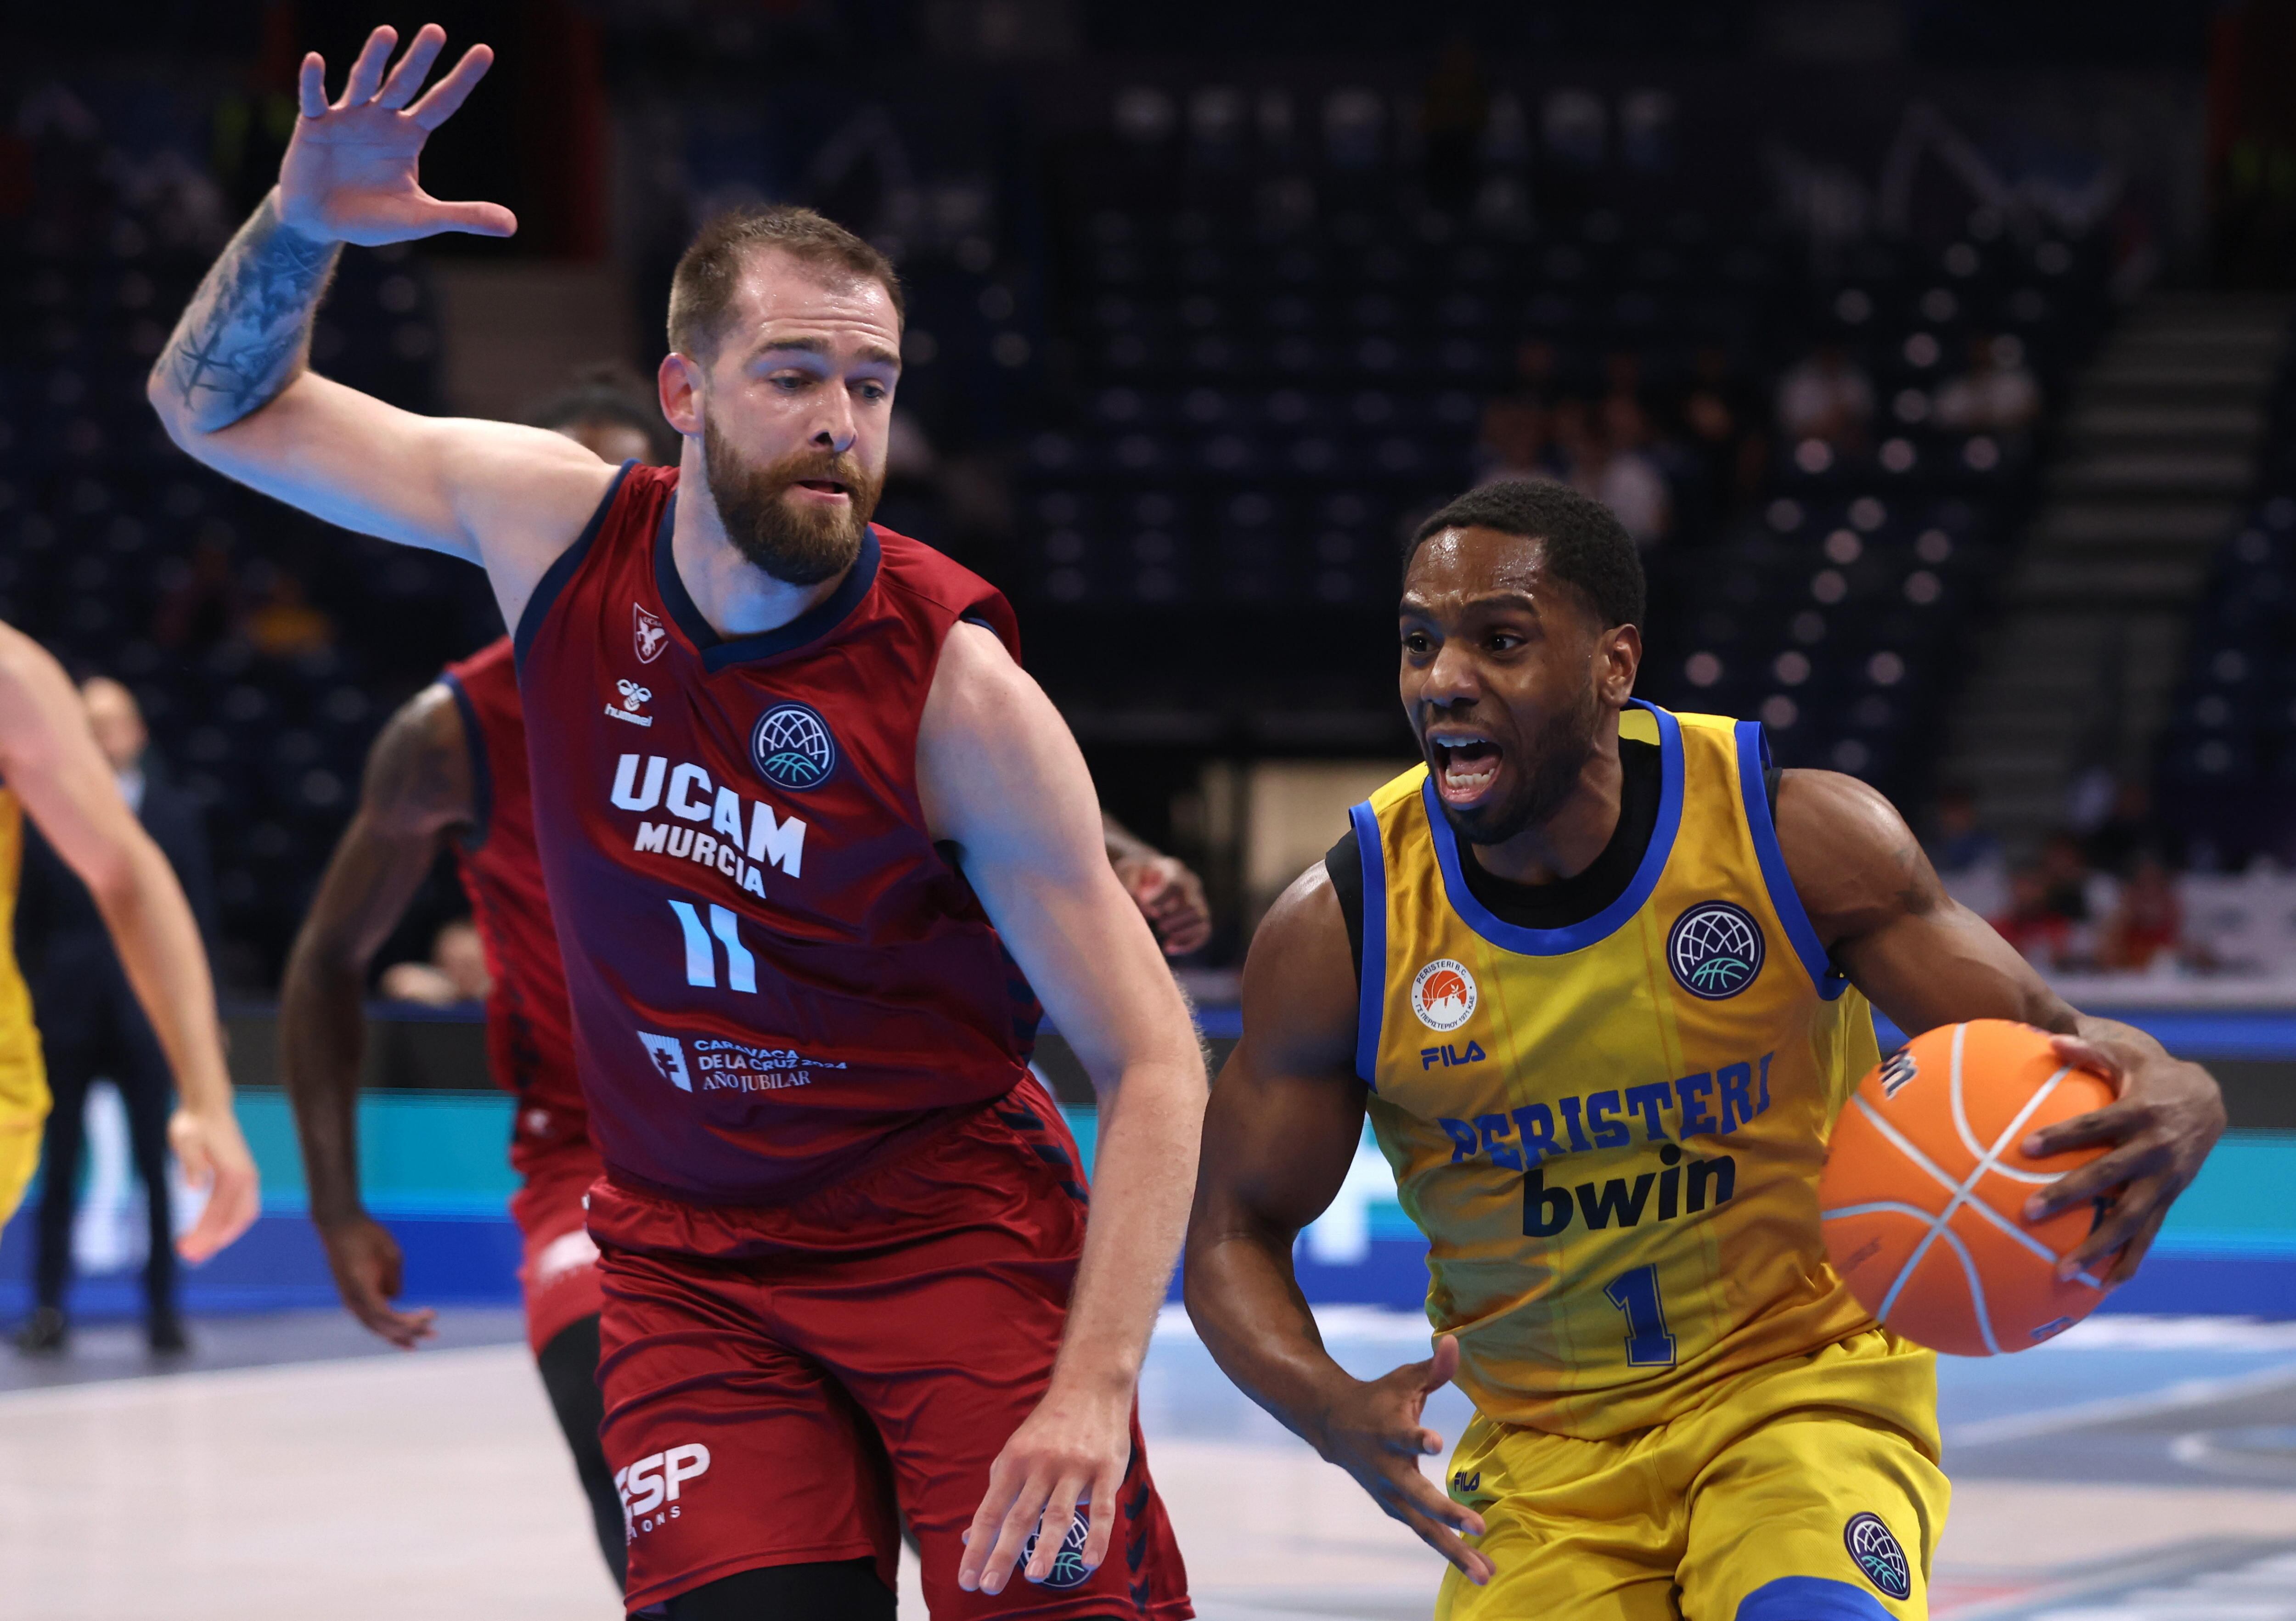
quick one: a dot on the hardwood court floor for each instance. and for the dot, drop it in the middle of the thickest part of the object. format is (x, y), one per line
(393, 1487)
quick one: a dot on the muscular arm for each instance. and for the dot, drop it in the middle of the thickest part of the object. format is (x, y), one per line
(49, 759)
(417, 788)
(1279, 1137)
(1925, 959)
(999, 775)
(234, 390)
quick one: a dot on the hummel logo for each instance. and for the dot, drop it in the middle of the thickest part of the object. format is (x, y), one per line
(633, 695)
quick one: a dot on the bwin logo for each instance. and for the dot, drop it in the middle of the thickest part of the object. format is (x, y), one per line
(1715, 950)
(650, 1487)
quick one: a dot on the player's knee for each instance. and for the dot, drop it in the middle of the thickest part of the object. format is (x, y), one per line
(838, 1590)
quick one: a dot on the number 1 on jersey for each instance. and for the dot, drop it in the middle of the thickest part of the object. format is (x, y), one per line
(1636, 1294)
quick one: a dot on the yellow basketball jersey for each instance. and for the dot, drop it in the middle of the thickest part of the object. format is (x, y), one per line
(23, 1078)
(1611, 1133)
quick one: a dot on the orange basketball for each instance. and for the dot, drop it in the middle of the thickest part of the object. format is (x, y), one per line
(1924, 1185)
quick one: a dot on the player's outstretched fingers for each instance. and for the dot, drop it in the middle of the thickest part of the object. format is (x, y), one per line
(311, 86)
(1004, 1487)
(367, 72)
(407, 77)
(1472, 1562)
(446, 96)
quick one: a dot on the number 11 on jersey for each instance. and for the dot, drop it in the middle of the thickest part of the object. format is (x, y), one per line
(1636, 1294)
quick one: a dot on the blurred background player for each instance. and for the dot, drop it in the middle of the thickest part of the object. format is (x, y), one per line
(802, 1161)
(52, 771)
(449, 769)
(92, 1027)
(1598, 976)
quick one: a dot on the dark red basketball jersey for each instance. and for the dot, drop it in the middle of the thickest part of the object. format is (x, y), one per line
(529, 1036)
(776, 977)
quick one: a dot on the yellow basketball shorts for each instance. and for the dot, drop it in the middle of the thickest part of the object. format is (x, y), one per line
(23, 1111)
(1806, 1490)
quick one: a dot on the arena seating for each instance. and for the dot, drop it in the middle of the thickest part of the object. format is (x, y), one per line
(2228, 761)
(1280, 354)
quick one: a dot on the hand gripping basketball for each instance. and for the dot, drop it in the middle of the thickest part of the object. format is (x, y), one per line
(1924, 1197)
(350, 170)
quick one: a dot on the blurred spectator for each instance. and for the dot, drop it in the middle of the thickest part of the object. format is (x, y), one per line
(1538, 370)
(1454, 109)
(92, 1025)
(1513, 441)
(455, 973)
(202, 606)
(1998, 394)
(2127, 831)
(2147, 925)
(2076, 893)
(2041, 935)
(1969, 860)
(1602, 456)
(283, 624)
(1721, 431)
(1826, 397)
(613, 413)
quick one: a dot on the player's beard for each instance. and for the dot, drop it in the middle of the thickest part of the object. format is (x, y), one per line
(1552, 765)
(796, 547)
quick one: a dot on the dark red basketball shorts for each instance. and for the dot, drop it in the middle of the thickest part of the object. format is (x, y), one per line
(777, 1379)
(558, 1274)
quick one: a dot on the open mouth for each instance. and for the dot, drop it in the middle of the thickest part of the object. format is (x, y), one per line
(827, 489)
(1466, 764)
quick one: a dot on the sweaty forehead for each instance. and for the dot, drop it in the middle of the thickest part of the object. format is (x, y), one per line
(1464, 563)
(782, 296)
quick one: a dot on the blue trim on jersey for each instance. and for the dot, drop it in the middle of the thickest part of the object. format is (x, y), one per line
(1576, 936)
(1809, 1598)
(1371, 973)
(815, 623)
(554, 577)
(1753, 756)
(483, 776)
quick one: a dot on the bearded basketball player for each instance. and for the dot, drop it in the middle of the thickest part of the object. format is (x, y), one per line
(447, 771)
(1599, 977)
(52, 771)
(808, 889)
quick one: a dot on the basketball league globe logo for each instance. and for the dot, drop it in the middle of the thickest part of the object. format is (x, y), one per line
(792, 748)
(1443, 995)
(1069, 1568)
(1878, 1554)
(1715, 950)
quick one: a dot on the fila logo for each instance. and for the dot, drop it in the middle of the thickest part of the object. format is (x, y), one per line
(649, 633)
(653, 1481)
(633, 696)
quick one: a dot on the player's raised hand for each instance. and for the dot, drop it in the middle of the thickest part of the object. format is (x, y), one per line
(1171, 898)
(350, 175)
(1373, 1431)
(213, 1154)
(367, 1266)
